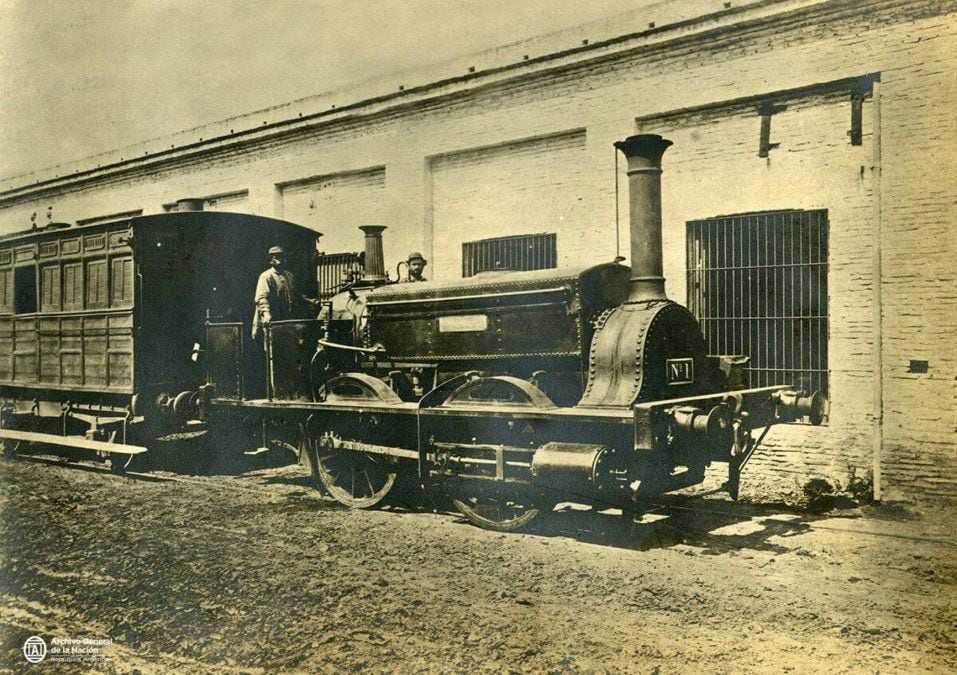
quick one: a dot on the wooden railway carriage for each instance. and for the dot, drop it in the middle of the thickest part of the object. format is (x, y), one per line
(98, 324)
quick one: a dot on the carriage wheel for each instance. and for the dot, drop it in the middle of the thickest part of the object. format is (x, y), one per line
(498, 510)
(118, 463)
(358, 480)
(8, 448)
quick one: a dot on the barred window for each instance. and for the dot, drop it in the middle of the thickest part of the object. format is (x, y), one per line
(757, 282)
(516, 253)
(335, 269)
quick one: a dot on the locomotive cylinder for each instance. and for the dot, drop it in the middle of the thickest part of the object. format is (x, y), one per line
(643, 153)
(576, 469)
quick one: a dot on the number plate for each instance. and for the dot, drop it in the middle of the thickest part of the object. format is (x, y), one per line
(470, 323)
(680, 371)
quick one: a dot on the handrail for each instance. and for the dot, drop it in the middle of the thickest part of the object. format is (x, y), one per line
(379, 349)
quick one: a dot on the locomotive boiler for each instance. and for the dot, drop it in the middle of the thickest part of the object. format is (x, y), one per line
(510, 391)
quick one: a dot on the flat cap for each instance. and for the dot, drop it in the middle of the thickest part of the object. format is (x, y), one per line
(276, 250)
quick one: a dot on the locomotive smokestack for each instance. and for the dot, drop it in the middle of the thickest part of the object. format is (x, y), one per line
(374, 260)
(643, 153)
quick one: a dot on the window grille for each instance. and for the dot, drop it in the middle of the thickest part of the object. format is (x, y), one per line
(335, 269)
(757, 282)
(516, 253)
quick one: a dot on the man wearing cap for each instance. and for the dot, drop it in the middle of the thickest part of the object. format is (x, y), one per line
(416, 265)
(275, 292)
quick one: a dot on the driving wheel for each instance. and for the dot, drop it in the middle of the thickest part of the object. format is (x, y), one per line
(357, 479)
(498, 509)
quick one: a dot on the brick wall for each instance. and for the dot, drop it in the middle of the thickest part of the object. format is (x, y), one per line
(337, 205)
(520, 188)
(530, 151)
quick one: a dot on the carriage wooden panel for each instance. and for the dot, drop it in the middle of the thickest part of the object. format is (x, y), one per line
(115, 308)
(79, 334)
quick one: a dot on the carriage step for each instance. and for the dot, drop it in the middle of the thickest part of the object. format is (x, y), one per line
(72, 442)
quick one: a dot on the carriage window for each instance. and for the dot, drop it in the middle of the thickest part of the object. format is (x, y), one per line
(73, 286)
(25, 289)
(121, 282)
(50, 288)
(96, 285)
(6, 290)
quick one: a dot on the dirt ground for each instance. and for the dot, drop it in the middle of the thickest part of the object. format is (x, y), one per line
(258, 572)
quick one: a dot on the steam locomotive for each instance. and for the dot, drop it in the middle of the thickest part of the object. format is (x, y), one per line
(509, 391)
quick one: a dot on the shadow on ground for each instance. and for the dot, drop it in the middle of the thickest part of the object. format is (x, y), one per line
(708, 523)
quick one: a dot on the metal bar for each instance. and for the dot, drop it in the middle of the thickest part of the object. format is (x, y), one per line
(516, 481)
(270, 385)
(418, 301)
(484, 447)
(478, 461)
(373, 449)
(691, 267)
(756, 391)
(71, 441)
(363, 350)
(723, 286)
(752, 290)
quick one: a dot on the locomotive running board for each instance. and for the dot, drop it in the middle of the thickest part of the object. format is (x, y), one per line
(72, 442)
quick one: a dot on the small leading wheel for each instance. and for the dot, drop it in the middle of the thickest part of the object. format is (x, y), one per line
(498, 510)
(358, 480)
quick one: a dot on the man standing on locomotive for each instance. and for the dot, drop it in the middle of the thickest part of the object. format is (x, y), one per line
(275, 293)
(416, 264)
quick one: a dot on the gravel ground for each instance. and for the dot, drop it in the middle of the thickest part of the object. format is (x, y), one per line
(258, 572)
